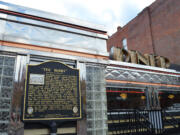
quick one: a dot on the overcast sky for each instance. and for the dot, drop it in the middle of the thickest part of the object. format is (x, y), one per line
(110, 13)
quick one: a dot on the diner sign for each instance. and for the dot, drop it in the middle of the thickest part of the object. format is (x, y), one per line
(136, 57)
(52, 92)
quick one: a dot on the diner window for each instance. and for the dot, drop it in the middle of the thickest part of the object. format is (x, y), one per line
(124, 43)
(169, 100)
(125, 98)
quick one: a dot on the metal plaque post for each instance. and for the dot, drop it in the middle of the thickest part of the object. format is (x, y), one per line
(53, 128)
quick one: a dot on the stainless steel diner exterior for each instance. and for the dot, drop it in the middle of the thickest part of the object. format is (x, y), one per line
(30, 36)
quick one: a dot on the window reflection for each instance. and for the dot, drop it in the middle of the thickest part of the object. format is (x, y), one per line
(125, 98)
(169, 99)
(124, 43)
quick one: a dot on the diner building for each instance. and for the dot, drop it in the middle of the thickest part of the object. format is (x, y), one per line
(117, 97)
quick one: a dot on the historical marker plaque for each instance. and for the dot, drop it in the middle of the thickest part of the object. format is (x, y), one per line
(52, 92)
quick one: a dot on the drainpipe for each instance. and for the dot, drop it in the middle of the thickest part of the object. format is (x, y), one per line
(150, 27)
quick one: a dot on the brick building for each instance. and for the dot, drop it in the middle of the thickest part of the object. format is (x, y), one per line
(155, 30)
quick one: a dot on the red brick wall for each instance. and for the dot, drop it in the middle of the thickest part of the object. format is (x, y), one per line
(155, 30)
(166, 29)
(116, 38)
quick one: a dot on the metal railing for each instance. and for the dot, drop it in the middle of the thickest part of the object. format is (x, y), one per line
(140, 122)
(171, 122)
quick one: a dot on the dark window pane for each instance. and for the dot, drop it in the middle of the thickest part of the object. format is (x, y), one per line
(89, 86)
(123, 98)
(9, 61)
(4, 115)
(0, 70)
(6, 92)
(89, 70)
(1, 60)
(3, 127)
(89, 77)
(4, 104)
(7, 82)
(169, 100)
(8, 71)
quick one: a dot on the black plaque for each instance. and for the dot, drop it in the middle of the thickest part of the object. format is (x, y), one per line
(52, 92)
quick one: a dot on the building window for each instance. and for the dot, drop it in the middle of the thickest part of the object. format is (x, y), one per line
(124, 43)
(125, 98)
(169, 100)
